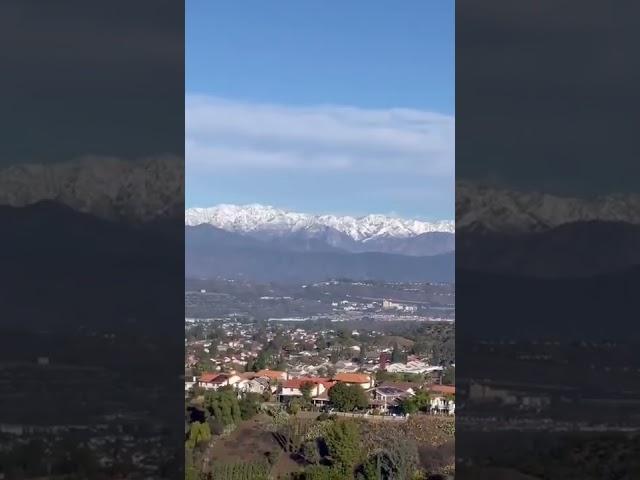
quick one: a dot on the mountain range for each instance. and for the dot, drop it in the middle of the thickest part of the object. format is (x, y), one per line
(533, 265)
(96, 200)
(506, 211)
(546, 236)
(305, 232)
(262, 243)
(109, 188)
(211, 252)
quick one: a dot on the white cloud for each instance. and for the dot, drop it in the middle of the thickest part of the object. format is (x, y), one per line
(228, 135)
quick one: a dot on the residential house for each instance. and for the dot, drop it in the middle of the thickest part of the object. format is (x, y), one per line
(214, 381)
(274, 375)
(252, 385)
(386, 399)
(361, 379)
(407, 387)
(442, 399)
(290, 389)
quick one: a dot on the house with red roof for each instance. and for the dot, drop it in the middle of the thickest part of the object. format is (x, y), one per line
(290, 389)
(443, 399)
(361, 379)
(272, 374)
(214, 381)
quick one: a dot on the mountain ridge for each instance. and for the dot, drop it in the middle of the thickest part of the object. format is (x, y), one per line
(110, 188)
(252, 217)
(211, 252)
(485, 208)
(308, 232)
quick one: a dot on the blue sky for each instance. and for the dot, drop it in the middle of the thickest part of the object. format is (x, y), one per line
(324, 107)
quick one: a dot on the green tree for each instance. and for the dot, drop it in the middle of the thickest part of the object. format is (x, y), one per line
(223, 405)
(198, 433)
(343, 442)
(335, 354)
(307, 391)
(261, 361)
(423, 400)
(371, 469)
(295, 406)
(347, 398)
(281, 365)
(310, 452)
(249, 405)
(409, 405)
(396, 354)
(249, 367)
(363, 354)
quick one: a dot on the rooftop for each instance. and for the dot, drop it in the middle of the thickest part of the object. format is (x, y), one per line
(352, 378)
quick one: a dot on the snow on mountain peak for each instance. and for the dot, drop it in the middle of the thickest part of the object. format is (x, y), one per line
(108, 187)
(504, 210)
(259, 218)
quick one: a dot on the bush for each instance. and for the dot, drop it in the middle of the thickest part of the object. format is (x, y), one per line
(310, 452)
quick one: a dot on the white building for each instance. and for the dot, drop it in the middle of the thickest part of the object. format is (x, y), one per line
(252, 386)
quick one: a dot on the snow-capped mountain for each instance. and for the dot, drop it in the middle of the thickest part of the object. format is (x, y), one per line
(505, 211)
(107, 187)
(266, 219)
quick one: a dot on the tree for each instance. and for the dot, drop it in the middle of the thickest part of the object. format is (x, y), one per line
(343, 442)
(198, 433)
(282, 365)
(321, 342)
(310, 452)
(223, 405)
(363, 354)
(261, 361)
(249, 405)
(295, 406)
(306, 389)
(343, 334)
(371, 469)
(335, 355)
(249, 366)
(396, 354)
(347, 398)
(409, 405)
(391, 453)
(423, 399)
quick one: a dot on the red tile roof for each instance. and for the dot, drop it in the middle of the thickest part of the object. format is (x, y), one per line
(298, 382)
(352, 378)
(443, 389)
(209, 377)
(272, 374)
